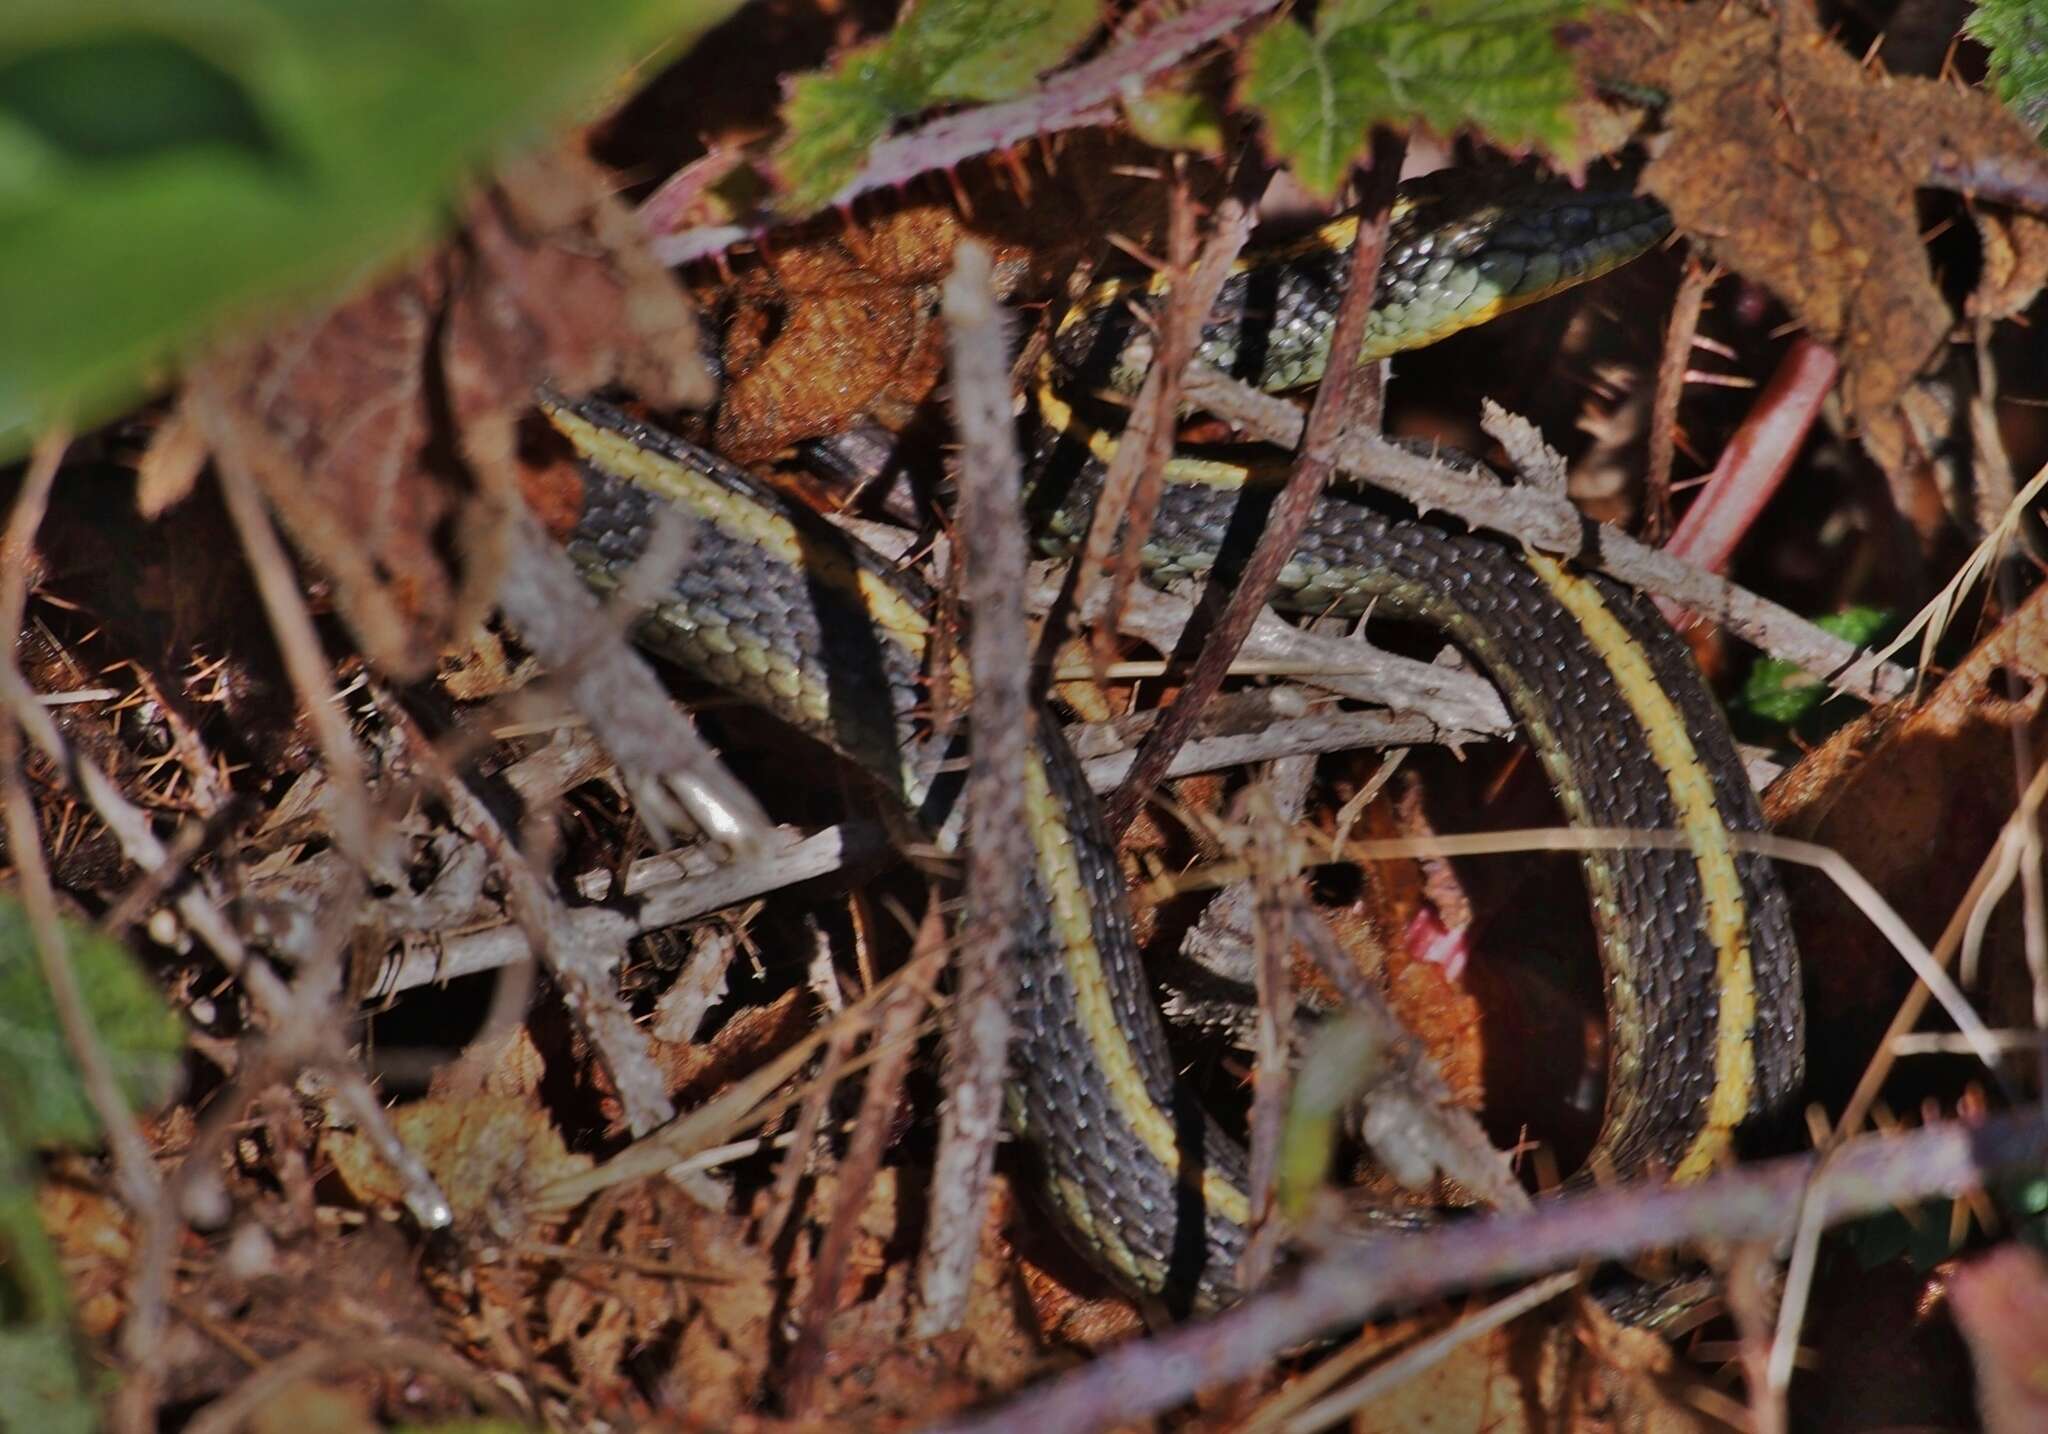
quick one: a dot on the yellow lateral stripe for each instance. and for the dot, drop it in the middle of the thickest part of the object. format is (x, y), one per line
(745, 519)
(1692, 792)
(1058, 415)
(1067, 894)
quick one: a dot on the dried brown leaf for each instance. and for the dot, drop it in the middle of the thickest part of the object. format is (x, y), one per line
(338, 418)
(1797, 167)
(486, 1152)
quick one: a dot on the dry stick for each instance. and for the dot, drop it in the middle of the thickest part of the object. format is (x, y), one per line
(136, 1180)
(674, 887)
(1411, 1120)
(1460, 703)
(307, 1021)
(1756, 460)
(1131, 489)
(355, 828)
(614, 687)
(1267, 852)
(1999, 177)
(999, 840)
(1090, 94)
(781, 1202)
(1551, 523)
(1671, 369)
(1291, 510)
(1751, 1284)
(583, 953)
(1358, 1282)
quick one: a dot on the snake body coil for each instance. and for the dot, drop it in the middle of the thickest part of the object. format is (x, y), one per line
(789, 613)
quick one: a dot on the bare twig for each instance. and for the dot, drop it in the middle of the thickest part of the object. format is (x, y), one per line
(583, 950)
(1679, 332)
(1411, 1122)
(1455, 701)
(1267, 851)
(615, 688)
(1290, 511)
(1129, 498)
(677, 887)
(1460, 703)
(355, 827)
(1757, 458)
(1356, 1283)
(1553, 524)
(1086, 95)
(136, 1175)
(999, 841)
(1997, 177)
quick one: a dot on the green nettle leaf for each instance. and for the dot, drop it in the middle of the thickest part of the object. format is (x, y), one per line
(1493, 66)
(941, 52)
(172, 167)
(2016, 34)
(42, 1099)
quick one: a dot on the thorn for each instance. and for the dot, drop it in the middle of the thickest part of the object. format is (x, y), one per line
(764, 251)
(1020, 177)
(960, 199)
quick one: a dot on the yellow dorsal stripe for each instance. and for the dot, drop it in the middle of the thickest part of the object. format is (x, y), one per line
(744, 517)
(1067, 894)
(1699, 818)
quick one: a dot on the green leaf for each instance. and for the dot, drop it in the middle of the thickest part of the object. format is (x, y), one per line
(1169, 117)
(42, 1099)
(2016, 34)
(1344, 1056)
(1779, 694)
(942, 51)
(170, 167)
(42, 1386)
(1489, 65)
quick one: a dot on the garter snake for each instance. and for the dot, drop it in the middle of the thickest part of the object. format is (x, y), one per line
(789, 613)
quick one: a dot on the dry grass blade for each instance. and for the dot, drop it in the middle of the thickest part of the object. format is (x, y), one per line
(1932, 620)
